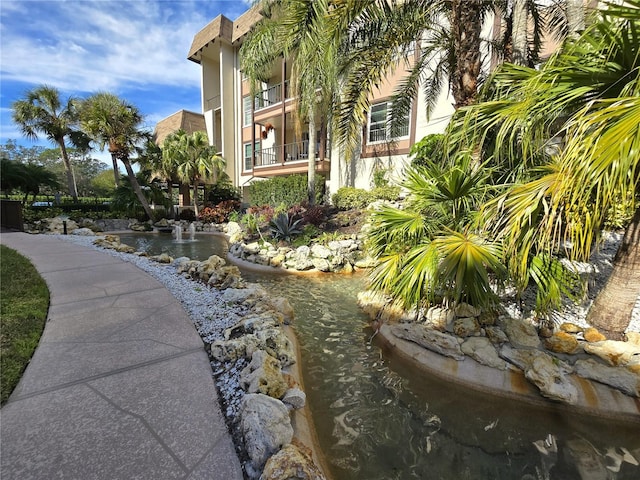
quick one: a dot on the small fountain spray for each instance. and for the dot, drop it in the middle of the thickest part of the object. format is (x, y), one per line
(177, 231)
(192, 231)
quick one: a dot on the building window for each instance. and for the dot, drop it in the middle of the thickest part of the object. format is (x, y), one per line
(380, 124)
(247, 116)
(248, 155)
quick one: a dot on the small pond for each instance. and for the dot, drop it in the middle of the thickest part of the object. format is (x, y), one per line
(377, 418)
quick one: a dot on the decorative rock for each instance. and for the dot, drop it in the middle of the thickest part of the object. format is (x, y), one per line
(549, 374)
(321, 264)
(496, 335)
(226, 277)
(265, 427)
(320, 251)
(379, 307)
(466, 310)
(277, 261)
(295, 397)
(614, 352)
(633, 338)
(282, 306)
(617, 377)
(234, 231)
(439, 318)
(520, 332)
(482, 351)
(291, 463)
(127, 249)
(162, 258)
(562, 342)
(593, 335)
(86, 232)
(466, 327)
(56, 225)
(243, 295)
(365, 262)
(569, 327)
(439, 342)
(276, 343)
(263, 375)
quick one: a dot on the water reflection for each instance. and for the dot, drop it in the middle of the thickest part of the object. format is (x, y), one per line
(377, 418)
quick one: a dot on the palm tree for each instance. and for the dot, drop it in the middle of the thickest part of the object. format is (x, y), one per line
(194, 160)
(382, 37)
(42, 111)
(115, 123)
(586, 100)
(299, 31)
(26, 177)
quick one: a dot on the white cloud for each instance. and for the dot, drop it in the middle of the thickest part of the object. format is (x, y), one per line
(91, 46)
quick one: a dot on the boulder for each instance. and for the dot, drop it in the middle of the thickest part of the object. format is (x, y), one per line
(56, 225)
(562, 342)
(496, 335)
(614, 352)
(320, 251)
(439, 318)
(252, 248)
(232, 350)
(250, 324)
(466, 310)
(266, 428)
(234, 232)
(123, 248)
(436, 341)
(162, 258)
(275, 343)
(263, 375)
(282, 306)
(482, 351)
(226, 277)
(321, 264)
(466, 327)
(520, 332)
(569, 327)
(365, 261)
(593, 335)
(252, 291)
(85, 232)
(291, 463)
(546, 372)
(295, 398)
(621, 378)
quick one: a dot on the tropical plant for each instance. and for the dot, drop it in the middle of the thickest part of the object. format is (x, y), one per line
(42, 111)
(298, 30)
(430, 251)
(586, 101)
(382, 38)
(116, 124)
(26, 177)
(194, 160)
(285, 227)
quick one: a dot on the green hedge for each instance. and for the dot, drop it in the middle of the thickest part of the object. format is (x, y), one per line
(291, 190)
(347, 198)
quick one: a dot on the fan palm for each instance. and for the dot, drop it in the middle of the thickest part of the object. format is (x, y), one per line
(298, 30)
(194, 160)
(115, 123)
(42, 111)
(428, 251)
(588, 97)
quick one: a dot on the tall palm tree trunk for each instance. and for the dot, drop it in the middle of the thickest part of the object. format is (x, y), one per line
(136, 188)
(71, 183)
(116, 173)
(611, 310)
(519, 32)
(311, 170)
(195, 196)
(466, 24)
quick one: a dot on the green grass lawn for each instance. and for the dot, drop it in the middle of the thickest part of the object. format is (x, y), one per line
(24, 301)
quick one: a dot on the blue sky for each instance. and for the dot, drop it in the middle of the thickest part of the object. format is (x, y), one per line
(136, 49)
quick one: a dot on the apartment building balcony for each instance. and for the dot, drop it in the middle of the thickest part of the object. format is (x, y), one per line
(291, 158)
(269, 101)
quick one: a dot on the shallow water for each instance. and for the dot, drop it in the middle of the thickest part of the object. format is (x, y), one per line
(377, 418)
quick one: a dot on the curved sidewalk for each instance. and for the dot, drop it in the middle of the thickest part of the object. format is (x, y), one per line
(119, 387)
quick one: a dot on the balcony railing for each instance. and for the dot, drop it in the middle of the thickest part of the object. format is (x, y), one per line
(292, 152)
(271, 96)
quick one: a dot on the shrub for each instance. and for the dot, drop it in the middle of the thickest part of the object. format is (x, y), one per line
(220, 213)
(350, 197)
(427, 150)
(263, 213)
(386, 193)
(222, 191)
(285, 227)
(289, 190)
(314, 215)
(188, 215)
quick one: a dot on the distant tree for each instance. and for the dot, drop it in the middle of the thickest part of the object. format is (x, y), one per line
(28, 178)
(42, 111)
(116, 124)
(102, 184)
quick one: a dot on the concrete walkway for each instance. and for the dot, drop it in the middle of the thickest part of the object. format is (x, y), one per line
(120, 386)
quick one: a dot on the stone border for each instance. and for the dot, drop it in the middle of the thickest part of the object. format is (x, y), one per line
(593, 398)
